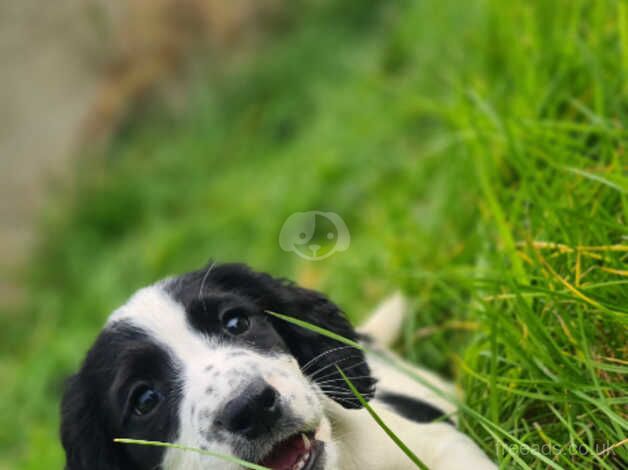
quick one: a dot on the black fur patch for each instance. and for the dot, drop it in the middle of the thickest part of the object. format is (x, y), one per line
(412, 408)
(96, 408)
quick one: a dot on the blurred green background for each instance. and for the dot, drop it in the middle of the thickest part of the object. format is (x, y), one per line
(475, 150)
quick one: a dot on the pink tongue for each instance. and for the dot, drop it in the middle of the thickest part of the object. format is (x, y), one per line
(285, 454)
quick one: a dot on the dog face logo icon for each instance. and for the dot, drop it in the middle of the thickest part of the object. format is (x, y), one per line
(314, 235)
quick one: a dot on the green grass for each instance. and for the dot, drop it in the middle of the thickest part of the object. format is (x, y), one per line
(170, 445)
(476, 151)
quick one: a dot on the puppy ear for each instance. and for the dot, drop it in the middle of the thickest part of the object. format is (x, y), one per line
(83, 432)
(319, 355)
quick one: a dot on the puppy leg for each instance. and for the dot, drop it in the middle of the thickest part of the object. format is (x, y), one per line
(385, 323)
(439, 445)
(384, 326)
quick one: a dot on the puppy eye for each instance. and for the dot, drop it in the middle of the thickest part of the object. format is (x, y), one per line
(144, 400)
(236, 322)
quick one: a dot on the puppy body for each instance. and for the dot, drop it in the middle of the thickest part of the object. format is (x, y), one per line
(438, 444)
(197, 361)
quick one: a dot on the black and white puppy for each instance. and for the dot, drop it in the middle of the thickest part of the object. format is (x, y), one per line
(197, 361)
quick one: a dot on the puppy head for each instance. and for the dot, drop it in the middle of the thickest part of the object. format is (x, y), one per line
(197, 361)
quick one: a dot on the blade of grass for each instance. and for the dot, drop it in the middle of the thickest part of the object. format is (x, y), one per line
(596, 178)
(317, 329)
(225, 457)
(406, 450)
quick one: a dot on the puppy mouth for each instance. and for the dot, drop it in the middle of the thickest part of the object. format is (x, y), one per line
(298, 452)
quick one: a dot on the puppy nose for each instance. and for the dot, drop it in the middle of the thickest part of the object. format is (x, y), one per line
(314, 248)
(255, 411)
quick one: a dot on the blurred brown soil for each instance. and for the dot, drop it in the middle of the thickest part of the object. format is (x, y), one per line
(71, 72)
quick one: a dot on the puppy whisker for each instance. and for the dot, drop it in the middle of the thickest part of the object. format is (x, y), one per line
(356, 377)
(334, 373)
(360, 361)
(340, 391)
(324, 353)
(351, 402)
(202, 287)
